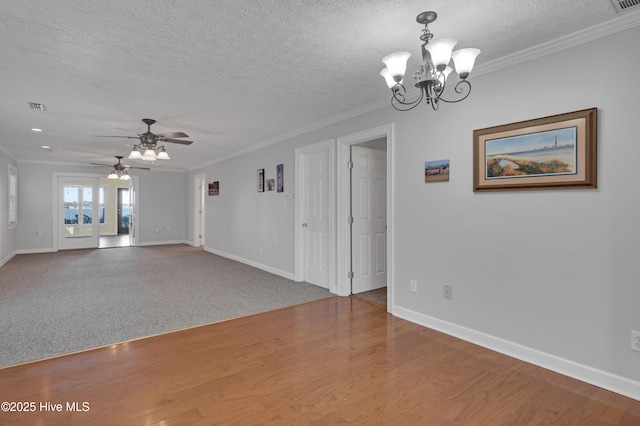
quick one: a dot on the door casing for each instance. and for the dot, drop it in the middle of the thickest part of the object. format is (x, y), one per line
(56, 213)
(199, 188)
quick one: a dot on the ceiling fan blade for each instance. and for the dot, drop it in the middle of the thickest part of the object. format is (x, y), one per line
(176, 141)
(125, 166)
(101, 164)
(126, 130)
(173, 135)
(127, 137)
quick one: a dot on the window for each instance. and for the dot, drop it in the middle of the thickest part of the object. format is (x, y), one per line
(13, 195)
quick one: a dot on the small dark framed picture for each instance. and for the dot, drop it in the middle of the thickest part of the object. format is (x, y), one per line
(436, 171)
(260, 180)
(280, 177)
(271, 184)
(214, 188)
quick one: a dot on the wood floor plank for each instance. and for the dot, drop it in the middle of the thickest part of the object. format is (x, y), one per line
(333, 361)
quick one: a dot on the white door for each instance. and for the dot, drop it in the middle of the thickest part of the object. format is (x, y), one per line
(369, 212)
(316, 223)
(198, 208)
(78, 213)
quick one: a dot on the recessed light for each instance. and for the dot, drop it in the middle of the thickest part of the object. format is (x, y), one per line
(36, 130)
(45, 147)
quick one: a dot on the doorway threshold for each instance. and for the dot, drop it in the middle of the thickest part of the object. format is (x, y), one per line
(110, 241)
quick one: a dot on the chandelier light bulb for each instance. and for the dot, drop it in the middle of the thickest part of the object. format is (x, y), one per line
(396, 64)
(113, 175)
(162, 155)
(464, 60)
(388, 78)
(149, 155)
(135, 155)
(440, 51)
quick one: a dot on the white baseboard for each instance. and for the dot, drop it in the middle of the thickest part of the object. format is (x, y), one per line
(36, 250)
(584, 373)
(161, 243)
(284, 274)
(6, 259)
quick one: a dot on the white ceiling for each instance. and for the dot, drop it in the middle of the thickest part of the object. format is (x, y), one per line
(228, 73)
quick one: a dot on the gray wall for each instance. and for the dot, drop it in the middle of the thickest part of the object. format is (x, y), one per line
(553, 272)
(161, 205)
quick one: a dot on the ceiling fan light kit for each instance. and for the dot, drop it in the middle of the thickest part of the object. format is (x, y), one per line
(120, 170)
(147, 149)
(122, 175)
(432, 74)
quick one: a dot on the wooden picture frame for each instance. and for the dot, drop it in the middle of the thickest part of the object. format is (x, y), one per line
(260, 180)
(555, 152)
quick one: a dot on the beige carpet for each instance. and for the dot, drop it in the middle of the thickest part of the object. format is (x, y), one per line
(56, 303)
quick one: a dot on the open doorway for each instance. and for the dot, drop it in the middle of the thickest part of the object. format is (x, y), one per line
(365, 213)
(116, 213)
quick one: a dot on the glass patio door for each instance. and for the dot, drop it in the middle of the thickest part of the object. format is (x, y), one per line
(78, 213)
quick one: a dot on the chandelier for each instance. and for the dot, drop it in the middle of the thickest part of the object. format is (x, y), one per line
(432, 73)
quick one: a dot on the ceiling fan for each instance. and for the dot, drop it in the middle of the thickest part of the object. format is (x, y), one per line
(147, 149)
(119, 169)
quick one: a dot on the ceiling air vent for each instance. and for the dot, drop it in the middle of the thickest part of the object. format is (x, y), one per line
(622, 5)
(37, 107)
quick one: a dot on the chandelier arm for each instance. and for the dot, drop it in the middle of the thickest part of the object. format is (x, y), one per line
(401, 105)
(460, 90)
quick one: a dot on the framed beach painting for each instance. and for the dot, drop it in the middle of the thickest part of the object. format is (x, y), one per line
(436, 171)
(555, 152)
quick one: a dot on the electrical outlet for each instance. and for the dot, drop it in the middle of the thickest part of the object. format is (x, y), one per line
(413, 286)
(635, 340)
(447, 292)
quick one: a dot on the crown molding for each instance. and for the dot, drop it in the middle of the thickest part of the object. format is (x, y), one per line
(76, 164)
(624, 22)
(297, 132)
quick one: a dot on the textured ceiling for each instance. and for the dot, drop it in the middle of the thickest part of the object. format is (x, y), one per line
(228, 73)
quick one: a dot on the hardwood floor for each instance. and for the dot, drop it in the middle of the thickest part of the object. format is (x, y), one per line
(332, 361)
